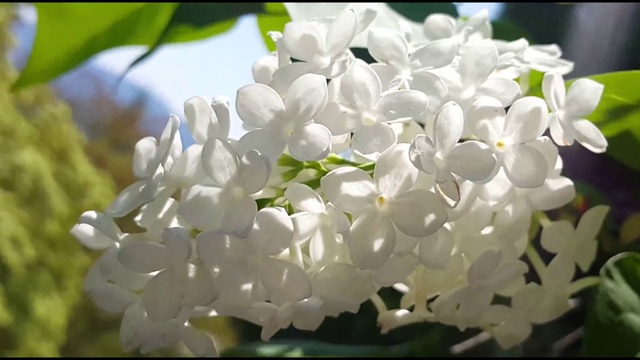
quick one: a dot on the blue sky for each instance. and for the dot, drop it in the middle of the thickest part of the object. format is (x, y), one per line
(215, 66)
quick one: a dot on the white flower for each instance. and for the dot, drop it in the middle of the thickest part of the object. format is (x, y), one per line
(148, 157)
(510, 136)
(317, 223)
(567, 122)
(248, 271)
(226, 204)
(381, 203)
(444, 156)
(285, 124)
(579, 245)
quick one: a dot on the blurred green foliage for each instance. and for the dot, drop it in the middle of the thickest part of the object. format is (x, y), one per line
(46, 182)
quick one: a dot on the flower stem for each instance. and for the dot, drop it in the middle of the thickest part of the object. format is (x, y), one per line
(583, 283)
(420, 292)
(378, 303)
(536, 261)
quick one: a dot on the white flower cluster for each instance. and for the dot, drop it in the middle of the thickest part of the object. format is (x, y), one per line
(436, 198)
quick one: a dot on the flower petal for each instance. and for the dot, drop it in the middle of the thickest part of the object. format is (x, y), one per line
(591, 222)
(310, 142)
(505, 90)
(527, 119)
(435, 54)
(372, 239)
(145, 152)
(272, 231)
(360, 86)
(525, 166)
(285, 281)
(201, 207)
(341, 32)
(302, 40)
(388, 46)
(471, 160)
(557, 236)
(163, 294)
(401, 105)
(303, 198)
(221, 250)
(396, 269)
(373, 138)
(253, 172)
(349, 189)
(447, 128)
(422, 152)
(417, 213)
(582, 98)
(144, 257)
(200, 118)
(258, 105)
(589, 136)
(435, 250)
(478, 61)
(266, 142)
(553, 90)
(220, 161)
(394, 173)
(307, 96)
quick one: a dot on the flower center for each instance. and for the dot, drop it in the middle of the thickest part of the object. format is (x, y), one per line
(500, 145)
(381, 201)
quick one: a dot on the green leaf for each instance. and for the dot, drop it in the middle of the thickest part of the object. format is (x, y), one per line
(296, 348)
(508, 31)
(195, 21)
(612, 328)
(618, 114)
(271, 22)
(68, 34)
(419, 11)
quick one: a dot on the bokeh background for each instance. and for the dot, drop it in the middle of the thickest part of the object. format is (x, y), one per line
(67, 146)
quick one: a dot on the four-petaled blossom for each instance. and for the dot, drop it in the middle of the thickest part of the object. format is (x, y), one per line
(567, 122)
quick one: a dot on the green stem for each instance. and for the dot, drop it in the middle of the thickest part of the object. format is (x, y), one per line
(581, 284)
(536, 261)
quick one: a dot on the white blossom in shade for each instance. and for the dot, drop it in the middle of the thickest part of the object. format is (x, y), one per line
(397, 63)
(303, 315)
(567, 122)
(381, 203)
(510, 136)
(342, 287)
(148, 159)
(368, 113)
(508, 326)
(444, 156)
(226, 204)
(137, 331)
(111, 286)
(165, 294)
(316, 223)
(248, 271)
(322, 47)
(548, 301)
(579, 244)
(285, 124)
(487, 275)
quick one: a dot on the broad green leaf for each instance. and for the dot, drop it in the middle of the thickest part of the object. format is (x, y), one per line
(296, 348)
(195, 21)
(617, 114)
(274, 19)
(612, 328)
(69, 33)
(419, 11)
